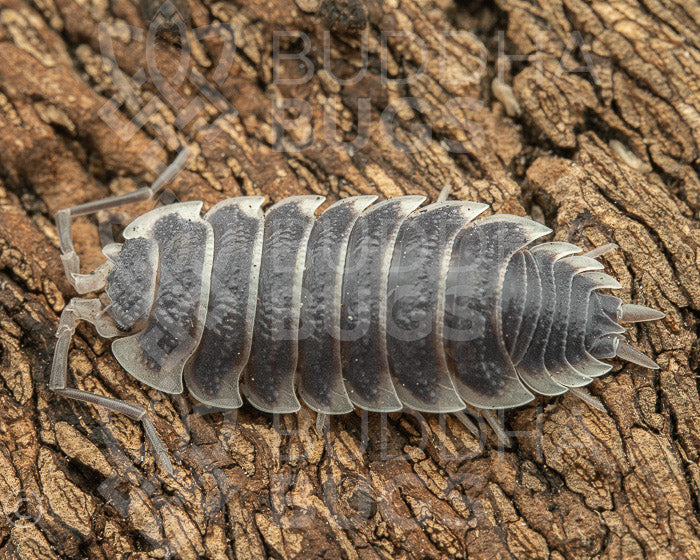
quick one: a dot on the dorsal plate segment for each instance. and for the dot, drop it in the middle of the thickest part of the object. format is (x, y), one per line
(416, 305)
(156, 355)
(363, 314)
(269, 376)
(320, 366)
(533, 308)
(484, 374)
(513, 300)
(212, 373)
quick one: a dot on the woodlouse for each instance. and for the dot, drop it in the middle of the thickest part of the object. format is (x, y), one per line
(380, 306)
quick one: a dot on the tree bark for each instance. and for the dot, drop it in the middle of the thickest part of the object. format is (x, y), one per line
(582, 114)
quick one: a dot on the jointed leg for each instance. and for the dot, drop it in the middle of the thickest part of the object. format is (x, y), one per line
(445, 193)
(589, 399)
(600, 251)
(88, 309)
(492, 421)
(107, 219)
(322, 423)
(71, 262)
(467, 423)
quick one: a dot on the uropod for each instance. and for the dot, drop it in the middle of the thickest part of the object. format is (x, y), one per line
(373, 304)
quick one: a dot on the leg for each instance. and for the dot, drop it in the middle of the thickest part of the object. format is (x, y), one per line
(600, 251)
(492, 421)
(589, 399)
(87, 309)
(106, 219)
(445, 193)
(321, 423)
(467, 423)
(71, 261)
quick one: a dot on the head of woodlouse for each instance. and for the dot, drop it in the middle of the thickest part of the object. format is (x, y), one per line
(131, 284)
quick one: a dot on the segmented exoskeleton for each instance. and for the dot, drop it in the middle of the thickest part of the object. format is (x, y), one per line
(377, 305)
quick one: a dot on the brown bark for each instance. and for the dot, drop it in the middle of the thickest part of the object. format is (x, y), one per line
(597, 133)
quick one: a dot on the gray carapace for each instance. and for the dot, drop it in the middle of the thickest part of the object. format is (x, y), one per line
(378, 305)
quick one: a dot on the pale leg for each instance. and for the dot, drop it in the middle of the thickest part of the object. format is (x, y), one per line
(492, 421)
(589, 399)
(445, 193)
(321, 423)
(84, 283)
(600, 251)
(88, 309)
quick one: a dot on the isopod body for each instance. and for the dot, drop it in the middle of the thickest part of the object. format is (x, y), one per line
(377, 305)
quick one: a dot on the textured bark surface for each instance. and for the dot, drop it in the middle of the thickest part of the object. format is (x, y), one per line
(593, 127)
